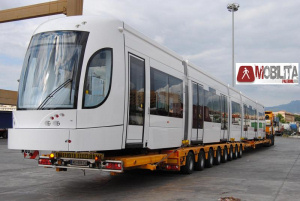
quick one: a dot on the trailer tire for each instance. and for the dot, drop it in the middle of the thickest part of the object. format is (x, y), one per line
(225, 155)
(272, 140)
(267, 144)
(236, 152)
(230, 155)
(217, 160)
(210, 159)
(189, 164)
(200, 164)
(241, 151)
(4, 135)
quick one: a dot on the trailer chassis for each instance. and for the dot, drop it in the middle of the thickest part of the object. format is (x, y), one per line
(183, 159)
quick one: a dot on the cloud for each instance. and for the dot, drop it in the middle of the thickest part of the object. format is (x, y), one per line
(9, 76)
(159, 39)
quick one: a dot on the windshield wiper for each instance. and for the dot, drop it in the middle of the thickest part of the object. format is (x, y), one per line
(41, 106)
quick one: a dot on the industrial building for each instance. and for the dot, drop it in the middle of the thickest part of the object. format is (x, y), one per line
(8, 100)
(288, 117)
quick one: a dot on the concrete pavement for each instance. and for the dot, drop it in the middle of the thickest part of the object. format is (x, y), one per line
(268, 173)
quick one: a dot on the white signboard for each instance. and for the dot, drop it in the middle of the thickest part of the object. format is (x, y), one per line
(267, 73)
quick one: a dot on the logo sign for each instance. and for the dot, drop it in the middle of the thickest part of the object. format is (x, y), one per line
(267, 73)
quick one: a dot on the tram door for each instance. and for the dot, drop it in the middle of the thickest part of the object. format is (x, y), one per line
(224, 118)
(136, 101)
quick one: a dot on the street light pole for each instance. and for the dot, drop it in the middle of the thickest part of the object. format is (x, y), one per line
(232, 8)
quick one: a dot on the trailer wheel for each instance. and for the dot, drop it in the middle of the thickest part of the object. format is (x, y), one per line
(272, 140)
(230, 155)
(200, 165)
(218, 157)
(236, 152)
(225, 155)
(241, 151)
(189, 164)
(4, 135)
(210, 159)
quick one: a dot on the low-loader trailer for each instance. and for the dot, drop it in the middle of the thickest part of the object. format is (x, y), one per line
(184, 159)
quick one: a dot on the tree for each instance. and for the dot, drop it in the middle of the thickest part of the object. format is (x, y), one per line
(297, 117)
(281, 118)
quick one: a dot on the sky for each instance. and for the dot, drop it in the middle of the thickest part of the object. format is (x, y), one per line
(266, 31)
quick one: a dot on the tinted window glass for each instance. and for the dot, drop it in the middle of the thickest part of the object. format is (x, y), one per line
(236, 113)
(261, 117)
(253, 119)
(247, 112)
(212, 107)
(166, 96)
(98, 78)
(208, 102)
(137, 91)
(200, 106)
(216, 109)
(175, 97)
(224, 113)
(198, 103)
(52, 64)
(159, 93)
(195, 105)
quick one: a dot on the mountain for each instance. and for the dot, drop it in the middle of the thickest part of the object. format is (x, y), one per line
(293, 107)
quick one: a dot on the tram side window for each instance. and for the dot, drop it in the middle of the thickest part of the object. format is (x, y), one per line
(166, 96)
(159, 93)
(259, 119)
(175, 97)
(98, 78)
(254, 119)
(212, 111)
(262, 121)
(208, 100)
(236, 113)
(217, 110)
(246, 117)
(224, 113)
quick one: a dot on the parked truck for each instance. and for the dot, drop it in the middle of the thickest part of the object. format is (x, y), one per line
(5, 123)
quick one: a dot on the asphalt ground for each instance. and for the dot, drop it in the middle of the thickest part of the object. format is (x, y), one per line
(267, 173)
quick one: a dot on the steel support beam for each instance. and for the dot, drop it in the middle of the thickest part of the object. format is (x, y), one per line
(67, 7)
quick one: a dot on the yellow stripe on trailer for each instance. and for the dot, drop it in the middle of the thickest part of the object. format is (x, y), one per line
(135, 161)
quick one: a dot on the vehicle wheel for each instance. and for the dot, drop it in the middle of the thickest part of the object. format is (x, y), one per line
(236, 152)
(210, 159)
(218, 157)
(189, 164)
(200, 165)
(272, 140)
(4, 135)
(241, 151)
(225, 155)
(230, 155)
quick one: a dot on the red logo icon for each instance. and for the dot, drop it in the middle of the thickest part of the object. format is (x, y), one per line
(245, 74)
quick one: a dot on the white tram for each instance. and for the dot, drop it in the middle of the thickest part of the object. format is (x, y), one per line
(91, 84)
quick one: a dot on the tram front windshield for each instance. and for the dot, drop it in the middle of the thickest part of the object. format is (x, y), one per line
(50, 74)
